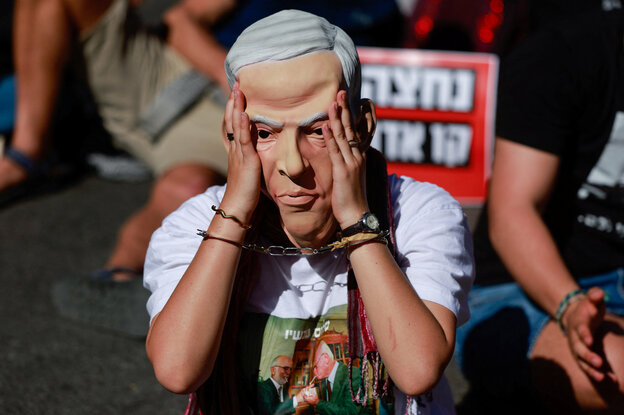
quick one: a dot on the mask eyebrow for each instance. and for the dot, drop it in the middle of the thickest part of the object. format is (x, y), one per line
(313, 118)
(264, 120)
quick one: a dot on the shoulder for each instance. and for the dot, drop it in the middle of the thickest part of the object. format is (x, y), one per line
(419, 198)
(434, 245)
(423, 211)
(196, 211)
(572, 50)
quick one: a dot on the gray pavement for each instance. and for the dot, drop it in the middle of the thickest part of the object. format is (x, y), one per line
(50, 365)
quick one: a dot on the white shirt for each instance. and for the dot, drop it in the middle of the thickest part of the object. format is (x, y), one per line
(434, 250)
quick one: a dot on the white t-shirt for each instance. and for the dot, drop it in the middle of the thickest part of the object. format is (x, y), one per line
(305, 297)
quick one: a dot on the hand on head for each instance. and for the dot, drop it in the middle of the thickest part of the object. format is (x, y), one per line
(244, 168)
(581, 320)
(346, 152)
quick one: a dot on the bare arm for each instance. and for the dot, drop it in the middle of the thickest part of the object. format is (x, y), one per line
(522, 179)
(184, 339)
(189, 22)
(415, 338)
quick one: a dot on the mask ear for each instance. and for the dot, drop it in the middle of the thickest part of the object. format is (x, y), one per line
(366, 123)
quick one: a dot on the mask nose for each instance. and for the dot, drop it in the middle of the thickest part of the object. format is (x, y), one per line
(293, 163)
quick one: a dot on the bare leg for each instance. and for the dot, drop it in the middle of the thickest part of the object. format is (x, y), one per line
(561, 383)
(170, 190)
(42, 38)
(44, 31)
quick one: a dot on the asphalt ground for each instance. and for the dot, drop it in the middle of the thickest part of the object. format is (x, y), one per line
(50, 365)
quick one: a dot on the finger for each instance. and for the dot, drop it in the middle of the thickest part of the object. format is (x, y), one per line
(239, 101)
(345, 116)
(595, 295)
(591, 372)
(236, 118)
(229, 107)
(227, 119)
(245, 134)
(239, 108)
(336, 156)
(335, 120)
(595, 315)
(585, 335)
(613, 377)
(584, 353)
(332, 147)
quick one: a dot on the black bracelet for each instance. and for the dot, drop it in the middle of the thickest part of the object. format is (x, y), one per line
(206, 235)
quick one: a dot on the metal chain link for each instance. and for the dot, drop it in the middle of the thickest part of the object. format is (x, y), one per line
(276, 250)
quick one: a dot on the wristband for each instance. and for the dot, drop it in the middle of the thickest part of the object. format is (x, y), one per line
(570, 298)
(232, 217)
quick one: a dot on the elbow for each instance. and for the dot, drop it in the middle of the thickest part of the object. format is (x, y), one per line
(177, 379)
(420, 380)
(180, 378)
(175, 368)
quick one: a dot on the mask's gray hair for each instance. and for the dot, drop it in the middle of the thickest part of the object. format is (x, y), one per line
(292, 33)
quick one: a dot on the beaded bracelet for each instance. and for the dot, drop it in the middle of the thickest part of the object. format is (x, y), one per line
(234, 218)
(570, 298)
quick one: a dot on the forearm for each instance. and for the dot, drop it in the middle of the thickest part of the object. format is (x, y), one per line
(184, 339)
(526, 247)
(189, 38)
(413, 344)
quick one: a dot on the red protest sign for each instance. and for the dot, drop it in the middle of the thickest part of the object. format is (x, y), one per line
(435, 115)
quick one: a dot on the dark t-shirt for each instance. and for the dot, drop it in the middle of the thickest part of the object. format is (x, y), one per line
(368, 22)
(6, 28)
(562, 92)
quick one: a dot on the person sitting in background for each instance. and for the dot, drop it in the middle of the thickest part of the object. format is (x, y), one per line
(548, 302)
(155, 70)
(309, 239)
(133, 76)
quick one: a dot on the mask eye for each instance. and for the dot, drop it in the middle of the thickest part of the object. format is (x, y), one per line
(318, 131)
(263, 134)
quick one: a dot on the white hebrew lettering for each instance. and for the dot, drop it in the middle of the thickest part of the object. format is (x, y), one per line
(403, 140)
(426, 88)
(450, 143)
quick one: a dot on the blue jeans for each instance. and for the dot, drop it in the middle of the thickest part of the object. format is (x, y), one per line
(493, 347)
(7, 103)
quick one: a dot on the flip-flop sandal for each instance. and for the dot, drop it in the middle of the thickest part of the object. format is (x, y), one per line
(34, 181)
(42, 178)
(97, 300)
